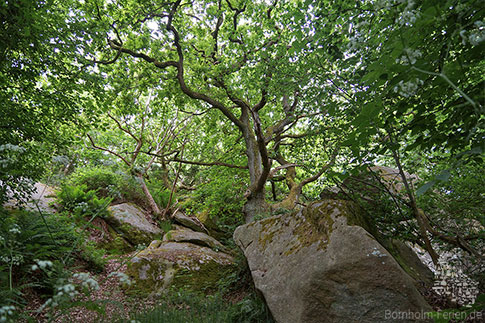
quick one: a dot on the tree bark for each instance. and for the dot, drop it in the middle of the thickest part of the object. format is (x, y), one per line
(255, 207)
(256, 204)
(151, 201)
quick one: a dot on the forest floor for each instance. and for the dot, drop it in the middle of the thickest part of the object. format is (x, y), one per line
(110, 296)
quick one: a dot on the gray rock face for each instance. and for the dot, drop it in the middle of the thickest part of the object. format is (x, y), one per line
(188, 221)
(317, 266)
(130, 221)
(43, 197)
(165, 264)
(198, 238)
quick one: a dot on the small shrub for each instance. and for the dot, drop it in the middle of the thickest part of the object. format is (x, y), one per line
(221, 199)
(93, 255)
(81, 202)
(159, 192)
(104, 182)
(166, 225)
(107, 183)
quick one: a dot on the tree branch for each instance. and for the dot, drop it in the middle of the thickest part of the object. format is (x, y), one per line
(207, 163)
(109, 151)
(117, 46)
(276, 169)
(323, 169)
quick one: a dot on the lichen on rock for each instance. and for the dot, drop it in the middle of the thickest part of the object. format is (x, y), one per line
(320, 262)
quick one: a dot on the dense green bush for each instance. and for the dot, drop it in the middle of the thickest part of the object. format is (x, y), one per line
(458, 200)
(37, 254)
(159, 192)
(456, 205)
(93, 255)
(388, 213)
(221, 198)
(103, 181)
(108, 183)
(82, 203)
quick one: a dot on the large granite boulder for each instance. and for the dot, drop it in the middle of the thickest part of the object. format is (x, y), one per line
(131, 223)
(320, 265)
(178, 264)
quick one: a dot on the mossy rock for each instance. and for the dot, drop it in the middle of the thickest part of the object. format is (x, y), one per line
(116, 244)
(312, 225)
(165, 265)
(210, 223)
(324, 262)
(130, 222)
(182, 234)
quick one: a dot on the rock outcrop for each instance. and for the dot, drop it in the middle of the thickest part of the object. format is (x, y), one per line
(42, 198)
(182, 234)
(320, 265)
(188, 221)
(130, 222)
(179, 264)
(210, 223)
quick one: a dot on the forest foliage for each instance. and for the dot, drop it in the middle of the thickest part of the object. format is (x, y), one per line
(241, 109)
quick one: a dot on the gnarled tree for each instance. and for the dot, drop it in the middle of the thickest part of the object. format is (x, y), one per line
(231, 56)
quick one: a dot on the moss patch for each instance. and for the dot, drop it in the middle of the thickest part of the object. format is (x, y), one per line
(178, 265)
(314, 224)
(269, 227)
(204, 279)
(116, 244)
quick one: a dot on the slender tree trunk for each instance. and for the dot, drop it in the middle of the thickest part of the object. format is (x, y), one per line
(418, 213)
(165, 179)
(151, 201)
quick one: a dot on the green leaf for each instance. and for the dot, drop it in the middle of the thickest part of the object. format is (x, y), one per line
(443, 176)
(424, 188)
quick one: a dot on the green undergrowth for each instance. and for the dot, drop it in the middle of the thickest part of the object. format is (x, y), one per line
(182, 306)
(37, 254)
(118, 185)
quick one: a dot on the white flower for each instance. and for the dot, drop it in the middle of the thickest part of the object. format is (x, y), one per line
(42, 264)
(410, 57)
(409, 88)
(87, 280)
(409, 16)
(5, 312)
(122, 276)
(68, 289)
(14, 229)
(15, 260)
(475, 36)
